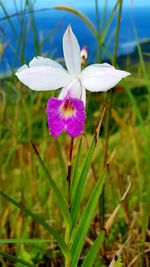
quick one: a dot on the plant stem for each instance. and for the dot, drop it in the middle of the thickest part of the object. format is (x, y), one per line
(67, 233)
(109, 101)
(69, 170)
(67, 262)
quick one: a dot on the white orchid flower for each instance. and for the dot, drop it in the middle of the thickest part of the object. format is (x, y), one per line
(46, 74)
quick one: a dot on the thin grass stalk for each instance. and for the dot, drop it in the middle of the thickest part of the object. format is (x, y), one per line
(8, 18)
(103, 15)
(69, 173)
(70, 163)
(145, 188)
(109, 101)
(68, 228)
(98, 31)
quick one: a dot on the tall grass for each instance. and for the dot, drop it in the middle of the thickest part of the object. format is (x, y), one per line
(45, 225)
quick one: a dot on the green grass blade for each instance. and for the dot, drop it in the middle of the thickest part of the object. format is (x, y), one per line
(140, 54)
(62, 204)
(20, 241)
(8, 18)
(135, 105)
(92, 253)
(104, 15)
(86, 166)
(74, 180)
(34, 29)
(142, 63)
(97, 15)
(81, 182)
(16, 259)
(105, 31)
(85, 221)
(117, 33)
(39, 220)
(79, 15)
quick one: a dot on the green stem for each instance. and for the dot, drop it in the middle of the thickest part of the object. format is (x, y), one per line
(109, 101)
(68, 230)
(67, 262)
(70, 171)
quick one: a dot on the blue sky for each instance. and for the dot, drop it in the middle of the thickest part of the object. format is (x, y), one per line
(9, 4)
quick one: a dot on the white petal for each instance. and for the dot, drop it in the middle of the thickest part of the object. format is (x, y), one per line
(44, 61)
(71, 50)
(74, 89)
(43, 74)
(101, 77)
(63, 92)
(83, 97)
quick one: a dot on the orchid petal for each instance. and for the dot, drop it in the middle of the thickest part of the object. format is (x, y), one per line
(74, 90)
(43, 74)
(66, 114)
(44, 61)
(101, 77)
(83, 97)
(63, 92)
(71, 50)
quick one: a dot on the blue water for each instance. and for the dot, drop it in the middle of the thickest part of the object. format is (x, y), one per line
(56, 22)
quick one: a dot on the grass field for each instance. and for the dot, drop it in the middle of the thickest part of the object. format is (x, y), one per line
(122, 152)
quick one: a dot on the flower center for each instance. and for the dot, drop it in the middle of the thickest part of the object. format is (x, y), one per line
(67, 108)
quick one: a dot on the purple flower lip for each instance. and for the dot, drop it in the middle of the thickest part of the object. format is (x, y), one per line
(67, 108)
(66, 114)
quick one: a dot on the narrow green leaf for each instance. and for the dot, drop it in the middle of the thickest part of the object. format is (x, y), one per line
(74, 180)
(85, 221)
(142, 63)
(60, 199)
(16, 259)
(80, 15)
(20, 241)
(140, 54)
(81, 182)
(103, 15)
(51, 230)
(105, 31)
(8, 18)
(146, 54)
(92, 253)
(34, 29)
(135, 105)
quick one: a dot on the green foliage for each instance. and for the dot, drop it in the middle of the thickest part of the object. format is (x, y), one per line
(119, 262)
(52, 221)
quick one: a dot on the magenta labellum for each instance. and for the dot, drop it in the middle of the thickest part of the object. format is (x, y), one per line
(66, 114)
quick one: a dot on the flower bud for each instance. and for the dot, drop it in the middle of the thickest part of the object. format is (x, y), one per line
(84, 54)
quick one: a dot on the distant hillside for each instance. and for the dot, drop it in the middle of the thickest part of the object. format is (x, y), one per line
(133, 57)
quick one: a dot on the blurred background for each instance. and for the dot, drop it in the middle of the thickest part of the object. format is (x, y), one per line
(117, 32)
(36, 28)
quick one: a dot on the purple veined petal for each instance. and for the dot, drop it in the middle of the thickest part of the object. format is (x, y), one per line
(55, 122)
(43, 74)
(66, 114)
(101, 77)
(75, 124)
(71, 50)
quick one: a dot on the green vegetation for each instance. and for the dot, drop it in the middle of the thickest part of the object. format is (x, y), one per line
(105, 227)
